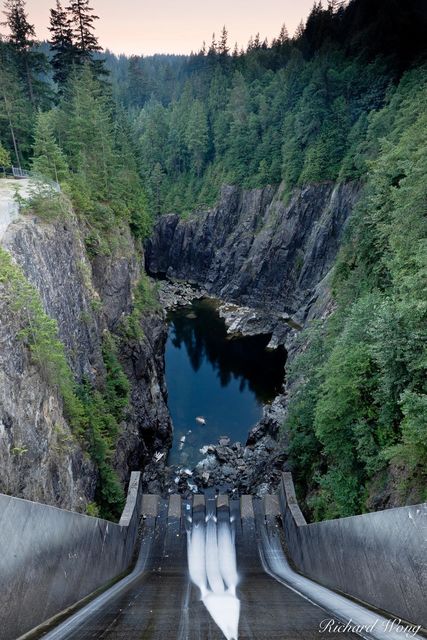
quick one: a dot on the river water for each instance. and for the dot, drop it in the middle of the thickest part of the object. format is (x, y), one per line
(216, 384)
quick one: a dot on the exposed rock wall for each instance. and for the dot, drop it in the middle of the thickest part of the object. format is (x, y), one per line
(39, 459)
(148, 427)
(255, 250)
(273, 261)
(86, 299)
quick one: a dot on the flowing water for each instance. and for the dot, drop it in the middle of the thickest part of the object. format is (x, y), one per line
(212, 567)
(216, 384)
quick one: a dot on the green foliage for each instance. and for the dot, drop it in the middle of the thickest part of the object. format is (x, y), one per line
(117, 386)
(29, 62)
(19, 451)
(300, 123)
(92, 509)
(145, 300)
(105, 410)
(39, 332)
(48, 160)
(104, 183)
(45, 201)
(4, 157)
(16, 112)
(101, 435)
(146, 295)
(94, 415)
(61, 43)
(363, 398)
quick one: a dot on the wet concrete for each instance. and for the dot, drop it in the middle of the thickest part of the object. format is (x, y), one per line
(160, 603)
(379, 558)
(51, 558)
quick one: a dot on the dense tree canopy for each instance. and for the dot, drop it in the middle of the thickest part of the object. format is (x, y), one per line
(362, 401)
(344, 99)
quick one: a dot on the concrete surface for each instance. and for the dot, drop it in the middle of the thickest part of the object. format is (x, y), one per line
(9, 208)
(379, 558)
(159, 602)
(51, 558)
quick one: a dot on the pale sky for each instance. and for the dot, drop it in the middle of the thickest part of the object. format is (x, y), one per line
(179, 26)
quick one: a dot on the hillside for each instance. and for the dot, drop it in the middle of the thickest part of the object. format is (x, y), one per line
(289, 177)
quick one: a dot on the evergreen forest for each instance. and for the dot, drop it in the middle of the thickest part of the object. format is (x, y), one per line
(343, 99)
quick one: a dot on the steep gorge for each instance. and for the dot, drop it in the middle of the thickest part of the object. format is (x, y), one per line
(256, 250)
(41, 459)
(252, 250)
(269, 263)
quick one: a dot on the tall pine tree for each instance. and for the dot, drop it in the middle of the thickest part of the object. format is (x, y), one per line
(61, 43)
(16, 114)
(48, 160)
(22, 39)
(223, 47)
(86, 44)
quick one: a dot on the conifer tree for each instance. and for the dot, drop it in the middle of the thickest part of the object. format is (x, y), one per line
(48, 160)
(87, 138)
(283, 35)
(223, 48)
(16, 114)
(61, 43)
(299, 33)
(197, 135)
(156, 180)
(22, 38)
(137, 89)
(128, 185)
(213, 49)
(82, 20)
(85, 41)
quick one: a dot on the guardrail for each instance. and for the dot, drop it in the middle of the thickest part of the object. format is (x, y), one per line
(17, 172)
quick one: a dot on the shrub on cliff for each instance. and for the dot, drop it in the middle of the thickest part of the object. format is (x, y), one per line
(93, 415)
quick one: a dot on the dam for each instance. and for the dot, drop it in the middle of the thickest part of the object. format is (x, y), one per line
(209, 567)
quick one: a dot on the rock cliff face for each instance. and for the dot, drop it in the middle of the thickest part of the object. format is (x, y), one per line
(252, 250)
(39, 459)
(269, 263)
(255, 250)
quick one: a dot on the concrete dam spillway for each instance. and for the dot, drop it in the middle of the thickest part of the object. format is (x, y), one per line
(208, 567)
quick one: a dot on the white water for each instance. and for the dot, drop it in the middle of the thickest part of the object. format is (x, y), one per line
(212, 567)
(372, 625)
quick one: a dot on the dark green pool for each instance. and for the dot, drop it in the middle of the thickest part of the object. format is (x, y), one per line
(221, 380)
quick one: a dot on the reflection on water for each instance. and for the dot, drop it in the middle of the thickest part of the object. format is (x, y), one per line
(219, 380)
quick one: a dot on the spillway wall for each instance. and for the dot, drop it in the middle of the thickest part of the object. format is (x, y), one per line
(51, 558)
(379, 558)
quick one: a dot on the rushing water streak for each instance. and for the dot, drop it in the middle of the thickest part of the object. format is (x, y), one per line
(215, 573)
